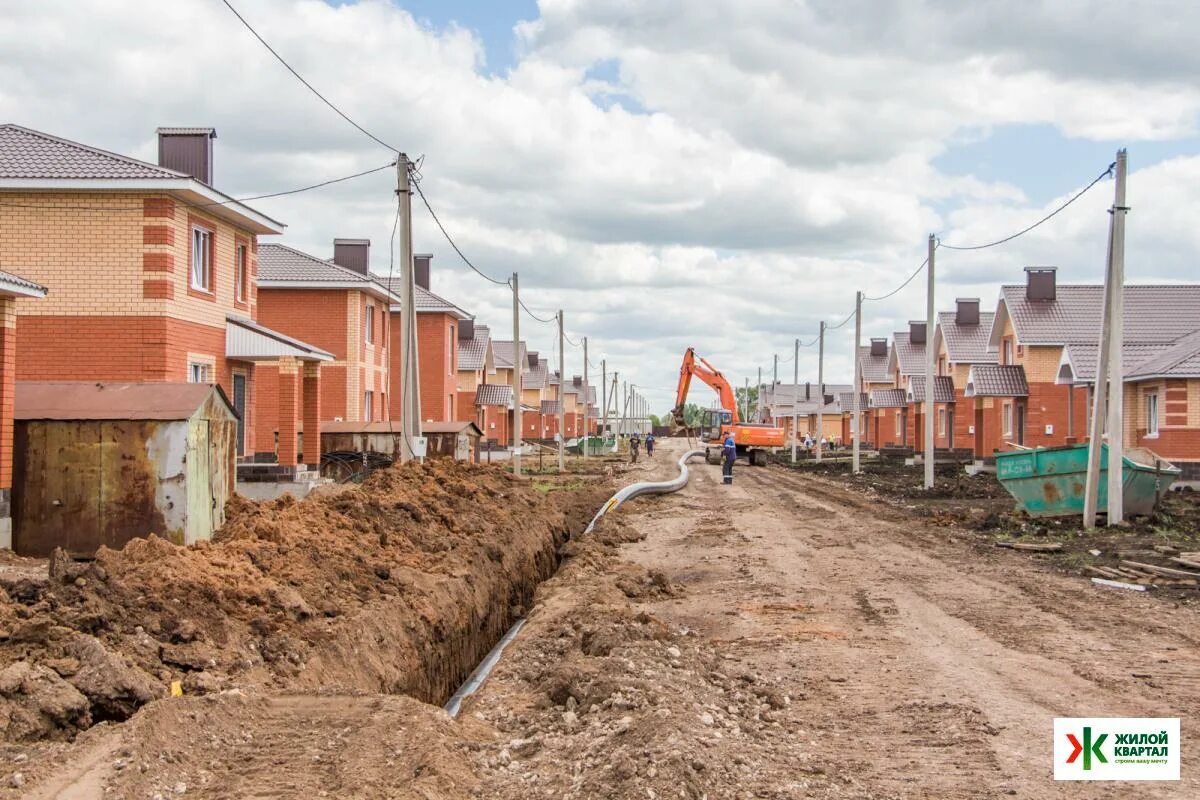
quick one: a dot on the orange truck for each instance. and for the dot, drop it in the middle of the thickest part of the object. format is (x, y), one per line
(752, 440)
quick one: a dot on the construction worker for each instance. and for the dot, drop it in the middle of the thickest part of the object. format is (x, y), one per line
(729, 453)
(635, 443)
(650, 444)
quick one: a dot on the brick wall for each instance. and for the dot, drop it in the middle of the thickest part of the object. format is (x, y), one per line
(8, 344)
(437, 348)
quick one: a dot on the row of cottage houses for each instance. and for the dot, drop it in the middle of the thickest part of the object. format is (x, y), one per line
(118, 274)
(1022, 374)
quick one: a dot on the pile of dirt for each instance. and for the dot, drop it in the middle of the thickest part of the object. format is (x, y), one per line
(397, 586)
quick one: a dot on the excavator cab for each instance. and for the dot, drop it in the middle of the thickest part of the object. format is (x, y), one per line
(715, 421)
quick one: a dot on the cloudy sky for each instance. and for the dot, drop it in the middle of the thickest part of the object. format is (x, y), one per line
(723, 174)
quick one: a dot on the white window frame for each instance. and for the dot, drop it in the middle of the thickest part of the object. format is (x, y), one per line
(1007, 415)
(199, 372)
(1008, 351)
(1152, 413)
(369, 324)
(450, 351)
(368, 406)
(240, 273)
(899, 423)
(202, 259)
(941, 412)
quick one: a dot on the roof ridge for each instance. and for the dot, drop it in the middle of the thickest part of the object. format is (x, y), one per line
(322, 261)
(96, 150)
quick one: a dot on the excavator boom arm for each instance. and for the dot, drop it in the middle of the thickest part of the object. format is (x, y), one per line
(711, 376)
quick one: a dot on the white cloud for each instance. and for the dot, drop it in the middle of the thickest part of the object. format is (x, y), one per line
(783, 160)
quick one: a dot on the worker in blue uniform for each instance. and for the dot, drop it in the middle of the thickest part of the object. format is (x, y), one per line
(729, 453)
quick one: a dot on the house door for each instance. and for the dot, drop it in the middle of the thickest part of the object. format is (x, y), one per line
(950, 428)
(239, 405)
(199, 522)
(1020, 424)
(979, 430)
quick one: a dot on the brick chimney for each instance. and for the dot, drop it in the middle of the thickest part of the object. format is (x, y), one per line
(807, 390)
(916, 332)
(879, 347)
(1040, 283)
(421, 269)
(466, 330)
(187, 150)
(353, 254)
(966, 311)
(532, 360)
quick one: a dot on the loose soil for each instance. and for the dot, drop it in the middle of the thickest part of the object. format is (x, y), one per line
(784, 637)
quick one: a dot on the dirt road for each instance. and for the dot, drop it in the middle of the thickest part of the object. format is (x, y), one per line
(924, 667)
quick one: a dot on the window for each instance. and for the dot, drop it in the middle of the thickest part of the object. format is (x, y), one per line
(1008, 420)
(1152, 414)
(239, 274)
(941, 422)
(941, 365)
(1008, 352)
(899, 424)
(450, 408)
(450, 352)
(201, 259)
(199, 373)
(368, 397)
(370, 324)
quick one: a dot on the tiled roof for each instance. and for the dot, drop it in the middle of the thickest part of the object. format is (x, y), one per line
(888, 398)
(494, 394)
(874, 368)
(283, 264)
(846, 401)
(1152, 313)
(423, 299)
(15, 284)
(997, 380)
(909, 356)
(550, 406)
(967, 344)
(472, 353)
(536, 377)
(943, 389)
(26, 153)
(502, 350)
(1180, 360)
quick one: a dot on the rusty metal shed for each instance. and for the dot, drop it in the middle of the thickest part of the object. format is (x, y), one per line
(99, 463)
(459, 440)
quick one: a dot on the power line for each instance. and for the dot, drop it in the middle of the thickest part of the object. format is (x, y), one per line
(139, 210)
(907, 281)
(1041, 221)
(535, 316)
(849, 317)
(420, 193)
(300, 78)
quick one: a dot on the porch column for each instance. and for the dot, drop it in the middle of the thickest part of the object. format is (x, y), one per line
(289, 409)
(311, 398)
(8, 369)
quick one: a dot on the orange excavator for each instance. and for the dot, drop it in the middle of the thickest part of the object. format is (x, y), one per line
(752, 439)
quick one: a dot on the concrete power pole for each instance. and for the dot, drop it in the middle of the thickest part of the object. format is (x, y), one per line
(603, 398)
(1108, 370)
(820, 389)
(774, 383)
(758, 398)
(795, 395)
(562, 395)
(746, 405)
(857, 388)
(410, 393)
(930, 405)
(624, 407)
(583, 448)
(516, 377)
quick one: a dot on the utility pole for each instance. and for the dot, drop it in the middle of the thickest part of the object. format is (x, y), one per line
(858, 298)
(774, 383)
(624, 407)
(1116, 368)
(603, 398)
(795, 395)
(562, 394)
(410, 393)
(583, 449)
(820, 389)
(746, 405)
(516, 378)
(758, 399)
(1108, 371)
(930, 405)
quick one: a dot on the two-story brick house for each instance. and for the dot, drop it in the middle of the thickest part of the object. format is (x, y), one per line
(152, 273)
(476, 362)
(336, 305)
(961, 342)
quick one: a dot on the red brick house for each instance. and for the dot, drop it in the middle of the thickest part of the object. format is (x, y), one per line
(152, 272)
(906, 362)
(11, 288)
(476, 362)
(495, 398)
(961, 342)
(339, 308)
(885, 418)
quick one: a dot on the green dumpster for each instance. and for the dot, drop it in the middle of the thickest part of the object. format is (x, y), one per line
(1049, 481)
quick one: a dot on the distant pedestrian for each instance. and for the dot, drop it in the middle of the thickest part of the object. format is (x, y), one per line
(808, 441)
(635, 444)
(729, 454)
(650, 444)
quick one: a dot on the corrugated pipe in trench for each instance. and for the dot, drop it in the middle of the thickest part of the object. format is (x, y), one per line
(489, 662)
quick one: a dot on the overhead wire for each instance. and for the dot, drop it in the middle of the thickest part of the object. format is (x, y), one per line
(300, 78)
(416, 184)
